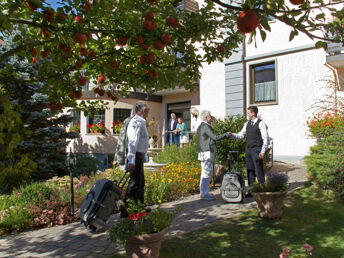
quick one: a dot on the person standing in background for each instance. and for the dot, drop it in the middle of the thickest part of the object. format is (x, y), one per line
(183, 132)
(172, 132)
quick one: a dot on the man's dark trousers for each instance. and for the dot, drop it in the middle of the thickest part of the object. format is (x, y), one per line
(136, 185)
(254, 165)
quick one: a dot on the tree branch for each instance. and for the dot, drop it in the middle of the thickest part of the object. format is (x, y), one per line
(21, 47)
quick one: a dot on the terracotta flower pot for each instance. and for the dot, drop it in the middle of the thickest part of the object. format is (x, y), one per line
(144, 246)
(270, 204)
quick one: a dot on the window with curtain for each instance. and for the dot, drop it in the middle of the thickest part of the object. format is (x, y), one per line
(263, 83)
(97, 118)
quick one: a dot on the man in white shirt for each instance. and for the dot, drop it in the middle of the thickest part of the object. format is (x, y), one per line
(137, 139)
(257, 141)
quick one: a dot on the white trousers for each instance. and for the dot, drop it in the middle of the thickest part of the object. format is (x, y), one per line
(207, 167)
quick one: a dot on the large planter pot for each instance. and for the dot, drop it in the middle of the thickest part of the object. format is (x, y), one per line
(144, 246)
(270, 204)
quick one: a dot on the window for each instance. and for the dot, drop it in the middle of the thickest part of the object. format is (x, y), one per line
(96, 118)
(120, 114)
(75, 117)
(263, 83)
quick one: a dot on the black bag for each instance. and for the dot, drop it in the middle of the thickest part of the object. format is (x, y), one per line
(233, 184)
(101, 202)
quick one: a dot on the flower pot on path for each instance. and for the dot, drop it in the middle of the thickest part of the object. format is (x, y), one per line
(144, 246)
(270, 204)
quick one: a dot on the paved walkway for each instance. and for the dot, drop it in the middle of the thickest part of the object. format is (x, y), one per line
(74, 240)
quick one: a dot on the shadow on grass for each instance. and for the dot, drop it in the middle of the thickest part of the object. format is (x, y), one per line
(308, 218)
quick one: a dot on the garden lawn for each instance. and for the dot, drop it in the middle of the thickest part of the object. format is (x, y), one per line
(308, 218)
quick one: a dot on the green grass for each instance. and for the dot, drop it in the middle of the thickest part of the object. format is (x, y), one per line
(308, 218)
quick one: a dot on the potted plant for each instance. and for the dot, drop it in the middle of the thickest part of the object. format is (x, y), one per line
(75, 128)
(141, 233)
(270, 195)
(96, 128)
(116, 126)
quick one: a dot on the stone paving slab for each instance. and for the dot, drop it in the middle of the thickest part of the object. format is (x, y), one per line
(74, 240)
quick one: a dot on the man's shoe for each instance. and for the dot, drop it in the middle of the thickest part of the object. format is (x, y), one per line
(248, 195)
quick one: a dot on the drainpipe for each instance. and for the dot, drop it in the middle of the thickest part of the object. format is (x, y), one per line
(244, 72)
(334, 70)
(244, 75)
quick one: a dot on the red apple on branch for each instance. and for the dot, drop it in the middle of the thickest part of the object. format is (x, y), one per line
(172, 22)
(81, 81)
(114, 65)
(149, 16)
(296, 2)
(101, 78)
(61, 16)
(122, 41)
(78, 19)
(78, 64)
(166, 39)
(45, 33)
(33, 52)
(87, 6)
(247, 21)
(152, 73)
(83, 51)
(48, 15)
(80, 38)
(158, 44)
(44, 53)
(139, 40)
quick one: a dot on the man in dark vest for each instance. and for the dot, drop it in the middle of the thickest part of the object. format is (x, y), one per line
(257, 141)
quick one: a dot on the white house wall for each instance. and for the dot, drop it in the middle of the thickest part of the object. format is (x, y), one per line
(299, 84)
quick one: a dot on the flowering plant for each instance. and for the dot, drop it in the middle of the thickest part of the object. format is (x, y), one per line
(141, 222)
(275, 182)
(307, 252)
(75, 128)
(324, 124)
(96, 128)
(117, 125)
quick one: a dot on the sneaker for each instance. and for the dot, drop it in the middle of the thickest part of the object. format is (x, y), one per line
(208, 197)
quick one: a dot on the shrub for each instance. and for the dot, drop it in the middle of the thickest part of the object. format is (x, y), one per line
(34, 193)
(174, 154)
(325, 124)
(230, 124)
(14, 218)
(86, 165)
(172, 181)
(325, 164)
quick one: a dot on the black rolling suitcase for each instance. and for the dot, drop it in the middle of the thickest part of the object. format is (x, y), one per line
(101, 202)
(233, 184)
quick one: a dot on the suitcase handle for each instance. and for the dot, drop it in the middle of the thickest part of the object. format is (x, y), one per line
(230, 153)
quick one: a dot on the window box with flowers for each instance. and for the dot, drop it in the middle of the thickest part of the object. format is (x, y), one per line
(75, 128)
(116, 126)
(96, 128)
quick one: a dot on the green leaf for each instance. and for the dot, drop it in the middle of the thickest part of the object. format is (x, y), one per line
(265, 24)
(292, 35)
(263, 35)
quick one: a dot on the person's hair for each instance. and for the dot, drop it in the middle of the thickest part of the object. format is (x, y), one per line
(204, 114)
(173, 114)
(253, 109)
(179, 117)
(139, 106)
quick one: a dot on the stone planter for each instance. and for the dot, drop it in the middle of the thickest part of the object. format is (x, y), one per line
(144, 246)
(270, 204)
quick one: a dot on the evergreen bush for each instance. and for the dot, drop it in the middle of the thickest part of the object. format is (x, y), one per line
(325, 164)
(86, 165)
